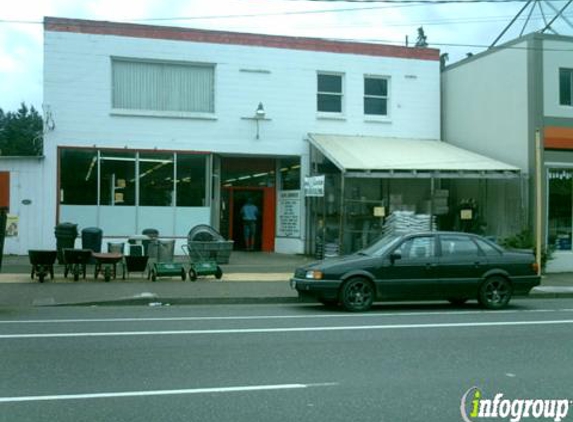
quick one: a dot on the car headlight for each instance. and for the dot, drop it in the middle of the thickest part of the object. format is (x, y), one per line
(314, 275)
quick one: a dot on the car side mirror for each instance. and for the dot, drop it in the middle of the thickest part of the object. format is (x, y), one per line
(395, 256)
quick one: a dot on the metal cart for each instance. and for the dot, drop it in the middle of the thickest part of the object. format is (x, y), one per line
(202, 266)
(161, 260)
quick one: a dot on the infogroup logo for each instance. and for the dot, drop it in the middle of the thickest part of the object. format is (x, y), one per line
(475, 407)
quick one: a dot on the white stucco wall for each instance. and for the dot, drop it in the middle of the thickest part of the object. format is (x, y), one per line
(556, 54)
(77, 90)
(26, 185)
(485, 106)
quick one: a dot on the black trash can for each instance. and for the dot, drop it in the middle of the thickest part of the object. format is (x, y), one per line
(66, 234)
(92, 238)
(3, 218)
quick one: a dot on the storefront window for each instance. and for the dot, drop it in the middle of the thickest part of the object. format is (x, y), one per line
(117, 178)
(78, 177)
(156, 182)
(190, 180)
(560, 208)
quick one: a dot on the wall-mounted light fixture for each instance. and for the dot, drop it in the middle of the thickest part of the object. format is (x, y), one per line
(260, 114)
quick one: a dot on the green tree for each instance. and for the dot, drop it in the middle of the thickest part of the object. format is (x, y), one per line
(21, 132)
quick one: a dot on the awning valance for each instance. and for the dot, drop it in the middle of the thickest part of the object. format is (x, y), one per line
(368, 156)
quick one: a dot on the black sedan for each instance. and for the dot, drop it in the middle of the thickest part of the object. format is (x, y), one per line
(422, 266)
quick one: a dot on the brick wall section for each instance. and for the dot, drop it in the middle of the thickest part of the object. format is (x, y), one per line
(235, 38)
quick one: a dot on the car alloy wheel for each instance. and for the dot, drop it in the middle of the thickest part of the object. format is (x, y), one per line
(357, 295)
(495, 292)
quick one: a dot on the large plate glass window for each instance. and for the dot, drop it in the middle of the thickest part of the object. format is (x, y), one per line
(78, 177)
(376, 96)
(118, 180)
(560, 208)
(566, 87)
(190, 180)
(156, 184)
(330, 93)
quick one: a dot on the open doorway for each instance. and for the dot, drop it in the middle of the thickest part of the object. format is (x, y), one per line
(232, 227)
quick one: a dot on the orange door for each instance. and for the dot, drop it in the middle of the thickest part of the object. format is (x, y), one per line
(264, 199)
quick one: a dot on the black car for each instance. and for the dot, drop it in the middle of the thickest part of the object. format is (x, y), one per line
(422, 266)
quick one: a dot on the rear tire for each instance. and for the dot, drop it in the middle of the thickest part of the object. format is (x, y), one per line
(219, 273)
(495, 292)
(357, 294)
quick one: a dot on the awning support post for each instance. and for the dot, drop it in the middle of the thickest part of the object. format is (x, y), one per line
(341, 224)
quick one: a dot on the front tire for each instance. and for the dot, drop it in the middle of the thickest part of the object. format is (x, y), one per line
(357, 295)
(495, 293)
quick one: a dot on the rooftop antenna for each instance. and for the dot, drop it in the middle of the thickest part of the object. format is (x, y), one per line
(532, 4)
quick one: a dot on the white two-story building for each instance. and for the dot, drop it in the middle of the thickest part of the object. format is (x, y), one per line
(167, 128)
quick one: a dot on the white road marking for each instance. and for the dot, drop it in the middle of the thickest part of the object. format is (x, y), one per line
(274, 317)
(286, 330)
(248, 388)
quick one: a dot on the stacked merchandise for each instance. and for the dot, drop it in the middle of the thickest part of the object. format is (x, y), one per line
(402, 222)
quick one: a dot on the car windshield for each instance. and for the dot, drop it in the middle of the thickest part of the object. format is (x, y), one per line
(380, 246)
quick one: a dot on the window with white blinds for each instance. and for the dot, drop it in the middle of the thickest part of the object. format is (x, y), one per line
(162, 86)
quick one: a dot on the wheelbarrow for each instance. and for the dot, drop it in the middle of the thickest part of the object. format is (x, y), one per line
(106, 264)
(75, 261)
(42, 263)
(202, 266)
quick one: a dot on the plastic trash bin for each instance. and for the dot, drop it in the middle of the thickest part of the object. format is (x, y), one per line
(66, 234)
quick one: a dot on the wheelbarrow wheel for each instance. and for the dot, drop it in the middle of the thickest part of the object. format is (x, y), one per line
(218, 273)
(153, 275)
(192, 274)
(76, 274)
(66, 270)
(41, 276)
(183, 275)
(107, 274)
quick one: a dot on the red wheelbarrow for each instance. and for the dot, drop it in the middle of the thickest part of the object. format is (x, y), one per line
(106, 264)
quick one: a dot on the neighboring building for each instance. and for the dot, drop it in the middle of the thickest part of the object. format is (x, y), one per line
(22, 193)
(494, 102)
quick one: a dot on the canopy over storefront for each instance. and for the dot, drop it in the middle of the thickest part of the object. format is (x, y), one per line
(367, 156)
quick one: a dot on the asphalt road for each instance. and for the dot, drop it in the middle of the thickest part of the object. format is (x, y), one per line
(279, 363)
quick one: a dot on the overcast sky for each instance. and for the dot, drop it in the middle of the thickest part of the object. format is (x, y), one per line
(453, 28)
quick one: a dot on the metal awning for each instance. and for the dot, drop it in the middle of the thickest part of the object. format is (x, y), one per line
(368, 156)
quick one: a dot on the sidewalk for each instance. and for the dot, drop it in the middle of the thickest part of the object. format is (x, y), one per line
(250, 277)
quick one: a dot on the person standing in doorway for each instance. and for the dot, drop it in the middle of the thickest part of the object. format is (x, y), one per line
(249, 214)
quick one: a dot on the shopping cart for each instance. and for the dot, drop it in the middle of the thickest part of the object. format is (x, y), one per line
(201, 265)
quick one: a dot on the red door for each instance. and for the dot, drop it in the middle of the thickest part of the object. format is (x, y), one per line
(4, 189)
(265, 200)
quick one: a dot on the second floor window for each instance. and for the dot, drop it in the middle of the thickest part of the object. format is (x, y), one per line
(162, 86)
(566, 87)
(375, 96)
(329, 94)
